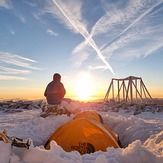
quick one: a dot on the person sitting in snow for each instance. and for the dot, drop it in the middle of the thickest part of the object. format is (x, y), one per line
(55, 90)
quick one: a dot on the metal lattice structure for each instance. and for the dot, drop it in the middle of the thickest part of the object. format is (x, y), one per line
(131, 89)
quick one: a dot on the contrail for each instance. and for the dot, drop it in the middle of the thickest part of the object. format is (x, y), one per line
(81, 29)
(131, 25)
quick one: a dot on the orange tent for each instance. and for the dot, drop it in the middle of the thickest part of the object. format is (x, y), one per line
(85, 133)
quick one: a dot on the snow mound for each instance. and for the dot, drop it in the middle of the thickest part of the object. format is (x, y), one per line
(141, 136)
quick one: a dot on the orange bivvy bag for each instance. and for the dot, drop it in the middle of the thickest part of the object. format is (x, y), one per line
(86, 133)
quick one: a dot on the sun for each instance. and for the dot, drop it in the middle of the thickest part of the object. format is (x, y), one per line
(83, 86)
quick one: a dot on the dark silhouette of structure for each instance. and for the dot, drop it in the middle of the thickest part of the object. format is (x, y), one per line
(131, 89)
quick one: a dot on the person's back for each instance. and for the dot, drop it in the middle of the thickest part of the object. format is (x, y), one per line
(55, 90)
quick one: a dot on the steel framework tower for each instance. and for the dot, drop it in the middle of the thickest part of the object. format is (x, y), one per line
(131, 89)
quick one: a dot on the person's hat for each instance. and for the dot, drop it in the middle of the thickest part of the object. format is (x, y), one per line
(56, 76)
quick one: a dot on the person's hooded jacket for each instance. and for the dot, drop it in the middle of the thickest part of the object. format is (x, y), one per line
(55, 91)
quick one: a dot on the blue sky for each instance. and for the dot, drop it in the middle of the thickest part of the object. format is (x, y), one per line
(102, 39)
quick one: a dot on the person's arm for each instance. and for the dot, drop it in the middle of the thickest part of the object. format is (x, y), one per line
(63, 91)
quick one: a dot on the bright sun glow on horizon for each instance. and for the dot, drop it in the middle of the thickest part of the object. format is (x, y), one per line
(83, 86)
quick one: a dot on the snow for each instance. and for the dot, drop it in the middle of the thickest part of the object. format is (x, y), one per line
(141, 136)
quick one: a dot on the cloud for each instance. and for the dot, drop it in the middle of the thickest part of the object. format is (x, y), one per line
(5, 77)
(135, 31)
(12, 59)
(12, 64)
(123, 23)
(98, 68)
(69, 14)
(21, 18)
(7, 70)
(81, 53)
(5, 4)
(136, 20)
(12, 32)
(51, 33)
(127, 30)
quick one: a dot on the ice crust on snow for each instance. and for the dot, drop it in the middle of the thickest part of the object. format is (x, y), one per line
(141, 136)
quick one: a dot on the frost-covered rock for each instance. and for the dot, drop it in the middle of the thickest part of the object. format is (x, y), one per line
(19, 106)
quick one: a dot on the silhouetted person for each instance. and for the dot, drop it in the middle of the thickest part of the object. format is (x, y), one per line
(55, 90)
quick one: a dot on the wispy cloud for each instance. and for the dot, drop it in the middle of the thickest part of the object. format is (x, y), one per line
(21, 18)
(128, 29)
(12, 64)
(7, 70)
(135, 29)
(17, 60)
(5, 4)
(8, 5)
(141, 16)
(12, 32)
(51, 32)
(6, 77)
(69, 15)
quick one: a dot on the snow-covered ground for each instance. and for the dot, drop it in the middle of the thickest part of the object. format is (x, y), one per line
(141, 136)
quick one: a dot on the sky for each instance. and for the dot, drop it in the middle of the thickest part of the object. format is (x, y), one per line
(88, 42)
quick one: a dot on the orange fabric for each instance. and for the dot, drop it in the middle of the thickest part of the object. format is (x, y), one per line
(85, 135)
(89, 115)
